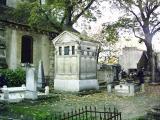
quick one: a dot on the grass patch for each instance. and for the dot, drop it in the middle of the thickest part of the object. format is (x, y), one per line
(65, 102)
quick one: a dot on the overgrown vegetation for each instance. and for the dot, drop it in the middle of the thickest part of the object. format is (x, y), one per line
(57, 15)
(12, 78)
(140, 17)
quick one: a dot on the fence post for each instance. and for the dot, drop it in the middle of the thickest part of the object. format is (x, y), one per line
(63, 116)
(100, 116)
(90, 112)
(109, 113)
(79, 112)
(83, 113)
(76, 114)
(120, 116)
(72, 114)
(86, 112)
(68, 115)
(95, 112)
(104, 113)
(60, 117)
(114, 112)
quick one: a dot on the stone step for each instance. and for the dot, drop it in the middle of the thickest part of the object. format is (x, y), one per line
(103, 87)
(102, 82)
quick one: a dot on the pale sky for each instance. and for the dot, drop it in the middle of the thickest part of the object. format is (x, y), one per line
(110, 15)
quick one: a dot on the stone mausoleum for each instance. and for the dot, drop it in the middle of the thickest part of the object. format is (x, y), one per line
(75, 63)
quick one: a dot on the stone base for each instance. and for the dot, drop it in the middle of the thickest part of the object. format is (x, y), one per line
(126, 89)
(154, 83)
(76, 85)
(31, 95)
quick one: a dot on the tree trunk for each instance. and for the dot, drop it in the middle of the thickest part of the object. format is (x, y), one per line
(153, 68)
(151, 61)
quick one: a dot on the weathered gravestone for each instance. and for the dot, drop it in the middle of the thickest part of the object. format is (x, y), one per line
(41, 78)
(31, 84)
(13, 94)
(127, 89)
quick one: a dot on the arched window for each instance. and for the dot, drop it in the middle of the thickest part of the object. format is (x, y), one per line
(2, 2)
(27, 49)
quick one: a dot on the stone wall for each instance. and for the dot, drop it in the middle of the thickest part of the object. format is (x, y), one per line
(67, 65)
(105, 74)
(43, 49)
(3, 63)
(12, 3)
(52, 60)
(158, 60)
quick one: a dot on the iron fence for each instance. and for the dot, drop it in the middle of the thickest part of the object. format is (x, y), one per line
(85, 113)
(88, 113)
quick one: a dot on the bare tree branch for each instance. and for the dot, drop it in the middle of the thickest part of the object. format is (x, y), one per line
(141, 10)
(82, 12)
(138, 20)
(141, 39)
(155, 31)
(155, 27)
(127, 8)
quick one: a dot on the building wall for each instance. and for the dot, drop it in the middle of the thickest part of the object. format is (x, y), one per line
(3, 63)
(88, 63)
(106, 74)
(41, 49)
(67, 65)
(158, 60)
(129, 58)
(12, 3)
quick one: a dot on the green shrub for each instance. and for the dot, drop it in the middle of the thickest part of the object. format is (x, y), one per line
(13, 78)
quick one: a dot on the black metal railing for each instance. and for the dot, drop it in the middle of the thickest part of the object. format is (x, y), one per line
(85, 113)
(88, 113)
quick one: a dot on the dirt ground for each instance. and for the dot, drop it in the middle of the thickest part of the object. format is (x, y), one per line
(131, 107)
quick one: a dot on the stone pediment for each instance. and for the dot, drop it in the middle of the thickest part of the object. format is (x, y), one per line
(66, 37)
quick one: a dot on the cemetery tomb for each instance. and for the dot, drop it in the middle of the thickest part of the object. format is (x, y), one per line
(13, 94)
(129, 58)
(75, 63)
(126, 89)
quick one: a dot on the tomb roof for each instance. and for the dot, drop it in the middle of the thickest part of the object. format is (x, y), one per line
(79, 37)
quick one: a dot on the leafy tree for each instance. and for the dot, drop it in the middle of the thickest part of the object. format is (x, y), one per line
(57, 14)
(108, 50)
(143, 18)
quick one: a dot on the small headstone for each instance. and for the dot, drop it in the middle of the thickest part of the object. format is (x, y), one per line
(46, 90)
(23, 85)
(31, 84)
(131, 90)
(41, 79)
(5, 92)
(109, 88)
(122, 88)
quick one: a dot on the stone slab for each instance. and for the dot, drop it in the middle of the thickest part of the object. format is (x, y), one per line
(75, 85)
(126, 89)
